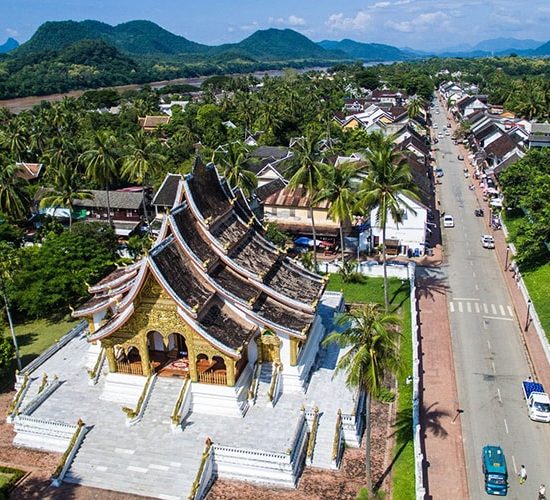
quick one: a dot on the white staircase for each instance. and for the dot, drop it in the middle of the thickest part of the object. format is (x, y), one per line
(162, 401)
(264, 383)
(123, 389)
(324, 441)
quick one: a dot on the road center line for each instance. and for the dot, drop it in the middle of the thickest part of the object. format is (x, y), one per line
(515, 466)
(506, 426)
(477, 287)
(488, 345)
(499, 395)
(474, 274)
(493, 366)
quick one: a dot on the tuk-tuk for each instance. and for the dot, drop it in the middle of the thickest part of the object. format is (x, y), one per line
(494, 470)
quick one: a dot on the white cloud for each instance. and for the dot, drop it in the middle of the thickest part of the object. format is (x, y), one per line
(381, 5)
(402, 2)
(338, 22)
(291, 20)
(12, 32)
(421, 23)
(251, 26)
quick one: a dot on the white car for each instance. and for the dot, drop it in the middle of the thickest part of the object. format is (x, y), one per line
(487, 241)
(435, 125)
(448, 221)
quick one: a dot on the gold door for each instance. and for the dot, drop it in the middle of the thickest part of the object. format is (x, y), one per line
(269, 347)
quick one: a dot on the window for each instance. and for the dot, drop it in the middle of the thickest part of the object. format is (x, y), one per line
(292, 212)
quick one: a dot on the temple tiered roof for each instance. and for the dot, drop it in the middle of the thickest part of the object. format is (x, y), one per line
(212, 259)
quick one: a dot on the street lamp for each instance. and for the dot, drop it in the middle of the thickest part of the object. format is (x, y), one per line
(527, 318)
(506, 260)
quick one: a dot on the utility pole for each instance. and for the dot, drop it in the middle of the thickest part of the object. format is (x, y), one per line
(10, 321)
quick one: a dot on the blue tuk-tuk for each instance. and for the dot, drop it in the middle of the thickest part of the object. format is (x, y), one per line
(494, 470)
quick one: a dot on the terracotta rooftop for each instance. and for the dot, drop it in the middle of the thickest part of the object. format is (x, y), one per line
(28, 171)
(292, 197)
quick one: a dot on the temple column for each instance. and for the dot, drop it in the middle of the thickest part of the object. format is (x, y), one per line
(110, 353)
(293, 352)
(91, 325)
(230, 370)
(145, 360)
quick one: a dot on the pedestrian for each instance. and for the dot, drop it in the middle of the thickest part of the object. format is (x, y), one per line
(542, 492)
(522, 475)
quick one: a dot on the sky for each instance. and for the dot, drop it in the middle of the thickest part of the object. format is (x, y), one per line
(418, 24)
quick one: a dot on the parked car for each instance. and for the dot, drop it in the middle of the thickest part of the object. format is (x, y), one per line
(448, 125)
(439, 172)
(448, 221)
(435, 125)
(440, 135)
(487, 241)
(478, 212)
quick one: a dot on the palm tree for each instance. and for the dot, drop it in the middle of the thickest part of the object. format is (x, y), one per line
(388, 182)
(372, 352)
(65, 191)
(416, 104)
(307, 171)
(142, 161)
(338, 190)
(233, 159)
(101, 162)
(12, 196)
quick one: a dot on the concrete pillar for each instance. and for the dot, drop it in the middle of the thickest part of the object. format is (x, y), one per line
(230, 369)
(110, 353)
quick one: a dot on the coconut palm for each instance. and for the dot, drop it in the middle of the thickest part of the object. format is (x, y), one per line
(233, 160)
(101, 161)
(65, 191)
(371, 343)
(337, 189)
(141, 162)
(12, 195)
(388, 185)
(416, 104)
(307, 171)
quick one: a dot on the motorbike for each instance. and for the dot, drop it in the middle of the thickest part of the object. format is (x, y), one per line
(478, 212)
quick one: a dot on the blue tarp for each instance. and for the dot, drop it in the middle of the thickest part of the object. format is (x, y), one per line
(304, 240)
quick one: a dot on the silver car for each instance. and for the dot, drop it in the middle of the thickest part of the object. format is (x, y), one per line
(487, 241)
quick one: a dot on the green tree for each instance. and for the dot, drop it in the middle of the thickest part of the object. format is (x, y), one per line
(12, 195)
(141, 162)
(337, 189)
(307, 171)
(65, 191)
(388, 181)
(6, 357)
(416, 105)
(233, 158)
(9, 262)
(369, 338)
(101, 161)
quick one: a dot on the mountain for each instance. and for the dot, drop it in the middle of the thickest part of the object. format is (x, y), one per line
(367, 51)
(134, 37)
(277, 44)
(543, 50)
(506, 44)
(11, 43)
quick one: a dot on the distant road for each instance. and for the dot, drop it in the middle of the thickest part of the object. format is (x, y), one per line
(23, 103)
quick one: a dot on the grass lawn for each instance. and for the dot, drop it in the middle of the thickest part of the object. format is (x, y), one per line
(537, 284)
(34, 337)
(8, 477)
(403, 481)
(513, 219)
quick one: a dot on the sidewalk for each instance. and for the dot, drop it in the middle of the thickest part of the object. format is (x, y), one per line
(445, 462)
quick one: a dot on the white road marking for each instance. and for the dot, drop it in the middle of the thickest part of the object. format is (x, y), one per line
(499, 395)
(476, 307)
(493, 366)
(485, 324)
(452, 307)
(493, 308)
(101, 468)
(136, 469)
(469, 306)
(474, 274)
(502, 311)
(469, 252)
(460, 307)
(471, 262)
(465, 298)
(125, 451)
(506, 426)
(515, 466)
(158, 467)
(175, 464)
(485, 310)
(510, 310)
(498, 317)
(477, 287)
(489, 344)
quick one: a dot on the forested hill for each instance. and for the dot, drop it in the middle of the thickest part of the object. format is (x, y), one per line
(10, 44)
(367, 51)
(275, 44)
(134, 37)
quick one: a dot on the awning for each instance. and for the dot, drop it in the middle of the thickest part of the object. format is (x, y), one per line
(497, 202)
(304, 240)
(392, 243)
(325, 244)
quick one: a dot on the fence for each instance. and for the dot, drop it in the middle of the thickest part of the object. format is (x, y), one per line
(373, 269)
(219, 378)
(418, 453)
(129, 368)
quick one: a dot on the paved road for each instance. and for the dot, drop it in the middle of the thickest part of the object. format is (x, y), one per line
(488, 351)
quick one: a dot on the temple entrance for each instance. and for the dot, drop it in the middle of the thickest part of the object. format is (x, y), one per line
(211, 371)
(169, 356)
(129, 362)
(269, 347)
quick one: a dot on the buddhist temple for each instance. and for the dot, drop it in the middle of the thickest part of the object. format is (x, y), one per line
(211, 299)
